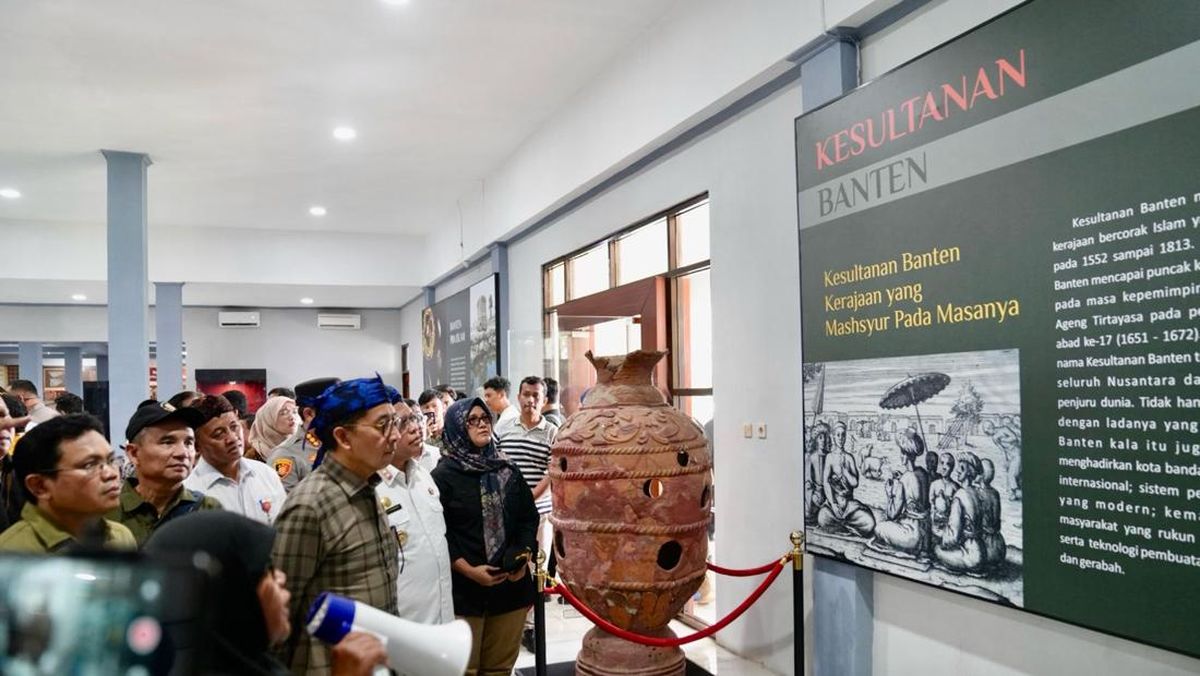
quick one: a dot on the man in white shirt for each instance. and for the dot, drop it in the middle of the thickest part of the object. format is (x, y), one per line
(247, 487)
(495, 395)
(39, 412)
(413, 506)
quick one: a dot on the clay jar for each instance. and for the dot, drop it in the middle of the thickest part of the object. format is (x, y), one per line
(632, 484)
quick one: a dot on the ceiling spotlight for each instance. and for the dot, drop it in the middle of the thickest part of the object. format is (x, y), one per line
(317, 211)
(345, 133)
(306, 301)
(78, 296)
(10, 193)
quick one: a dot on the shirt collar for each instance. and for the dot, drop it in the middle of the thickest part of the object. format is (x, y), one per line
(393, 476)
(48, 532)
(540, 426)
(131, 500)
(209, 475)
(349, 481)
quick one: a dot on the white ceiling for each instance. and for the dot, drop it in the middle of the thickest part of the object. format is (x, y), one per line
(235, 101)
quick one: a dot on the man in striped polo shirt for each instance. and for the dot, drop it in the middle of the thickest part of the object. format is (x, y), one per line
(527, 443)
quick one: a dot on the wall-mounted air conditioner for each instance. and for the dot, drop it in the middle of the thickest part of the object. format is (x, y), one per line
(237, 320)
(345, 322)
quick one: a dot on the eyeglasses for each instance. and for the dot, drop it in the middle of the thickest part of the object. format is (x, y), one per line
(91, 468)
(385, 425)
(478, 421)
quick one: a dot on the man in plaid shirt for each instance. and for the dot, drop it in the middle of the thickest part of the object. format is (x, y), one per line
(332, 533)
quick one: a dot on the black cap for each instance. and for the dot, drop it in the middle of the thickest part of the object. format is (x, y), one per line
(153, 414)
(309, 390)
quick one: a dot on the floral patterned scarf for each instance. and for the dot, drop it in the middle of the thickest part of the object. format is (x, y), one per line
(489, 463)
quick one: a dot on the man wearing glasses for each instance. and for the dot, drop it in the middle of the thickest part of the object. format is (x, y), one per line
(413, 506)
(69, 476)
(248, 487)
(333, 533)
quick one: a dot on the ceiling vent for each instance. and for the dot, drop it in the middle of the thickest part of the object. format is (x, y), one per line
(237, 320)
(343, 322)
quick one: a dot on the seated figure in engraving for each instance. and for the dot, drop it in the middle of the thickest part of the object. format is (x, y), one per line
(814, 467)
(961, 547)
(941, 492)
(841, 512)
(905, 528)
(995, 550)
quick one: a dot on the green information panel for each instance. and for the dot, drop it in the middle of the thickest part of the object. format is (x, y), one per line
(1000, 277)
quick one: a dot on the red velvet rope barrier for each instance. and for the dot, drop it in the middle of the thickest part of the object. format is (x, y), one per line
(775, 568)
(744, 572)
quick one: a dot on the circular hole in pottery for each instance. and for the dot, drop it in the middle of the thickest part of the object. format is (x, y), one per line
(682, 458)
(558, 545)
(653, 488)
(669, 555)
(562, 464)
(704, 496)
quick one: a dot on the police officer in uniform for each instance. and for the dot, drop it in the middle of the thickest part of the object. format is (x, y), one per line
(293, 460)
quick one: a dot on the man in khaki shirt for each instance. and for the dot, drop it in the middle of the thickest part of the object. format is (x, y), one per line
(68, 474)
(162, 446)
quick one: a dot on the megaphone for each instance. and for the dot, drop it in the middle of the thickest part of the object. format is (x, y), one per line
(412, 647)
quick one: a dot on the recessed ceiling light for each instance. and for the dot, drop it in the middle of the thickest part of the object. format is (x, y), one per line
(345, 133)
(306, 301)
(395, 2)
(78, 296)
(10, 193)
(317, 211)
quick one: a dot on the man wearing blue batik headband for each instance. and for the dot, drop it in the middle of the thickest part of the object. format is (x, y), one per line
(332, 533)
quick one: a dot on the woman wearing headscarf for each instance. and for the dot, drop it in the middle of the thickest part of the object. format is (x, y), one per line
(274, 424)
(249, 599)
(491, 529)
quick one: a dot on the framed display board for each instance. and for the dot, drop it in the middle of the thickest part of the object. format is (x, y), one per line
(458, 338)
(999, 248)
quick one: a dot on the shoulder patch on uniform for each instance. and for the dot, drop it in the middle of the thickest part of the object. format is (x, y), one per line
(283, 467)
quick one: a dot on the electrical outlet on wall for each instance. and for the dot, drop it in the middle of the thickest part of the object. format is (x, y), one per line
(762, 430)
(748, 430)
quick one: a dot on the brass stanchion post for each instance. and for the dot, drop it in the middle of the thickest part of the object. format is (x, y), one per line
(797, 538)
(539, 617)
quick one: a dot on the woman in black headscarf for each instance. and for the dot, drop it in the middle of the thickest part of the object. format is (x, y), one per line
(251, 610)
(250, 601)
(491, 529)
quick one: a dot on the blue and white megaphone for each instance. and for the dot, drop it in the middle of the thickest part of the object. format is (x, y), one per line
(412, 647)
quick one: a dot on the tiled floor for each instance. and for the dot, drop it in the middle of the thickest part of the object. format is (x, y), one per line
(565, 628)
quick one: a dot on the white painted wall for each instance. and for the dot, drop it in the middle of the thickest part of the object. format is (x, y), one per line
(698, 57)
(54, 323)
(291, 347)
(227, 256)
(288, 343)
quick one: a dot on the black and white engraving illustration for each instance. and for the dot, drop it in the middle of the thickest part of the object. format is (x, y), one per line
(913, 466)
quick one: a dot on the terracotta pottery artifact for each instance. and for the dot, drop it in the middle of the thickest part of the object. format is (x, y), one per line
(632, 484)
